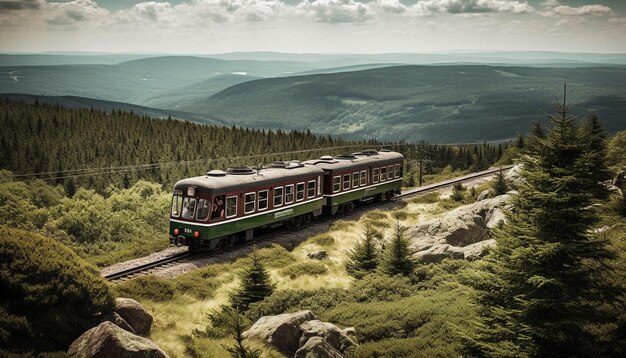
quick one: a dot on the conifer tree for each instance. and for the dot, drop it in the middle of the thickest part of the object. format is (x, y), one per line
(499, 184)
(542, 288)
(397, 258)
(234, 322)
(363, 258)
(592, 163)
(537, 134)
(457, 192)
(255, 284)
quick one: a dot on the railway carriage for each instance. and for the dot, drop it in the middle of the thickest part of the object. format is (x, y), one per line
(223, 207)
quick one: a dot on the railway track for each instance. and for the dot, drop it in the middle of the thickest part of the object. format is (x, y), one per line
(175, 259)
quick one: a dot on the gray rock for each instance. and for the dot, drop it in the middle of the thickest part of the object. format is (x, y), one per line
(439, 252)
(495, 218)
(318, 255)
(282, 331)
(108, 340)
(329, 332)
(118, 321)
(133, 313)
(476, 251)
(483, 195)
(514, 176)
(317, 347)
(350, 331)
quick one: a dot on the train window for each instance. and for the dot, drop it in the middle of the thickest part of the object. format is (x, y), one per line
(363, 177)
(375, 176)
(336, 184)
(310, 191)
(299, 191)
(177, 202)
(390, 172)
(262, 200)
(278, 196)
(249, 203)
(396, 170)
(189, 207)
(203, 209)
(218, 207)
(355, 180)
(346, 181)
(289, 194)
(231, 206)
(383, 174)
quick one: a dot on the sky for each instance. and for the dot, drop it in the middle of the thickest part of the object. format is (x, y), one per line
(312, 26)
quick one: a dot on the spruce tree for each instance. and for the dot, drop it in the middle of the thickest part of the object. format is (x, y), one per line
(592, 164)
(542, 288)
(255, 284)
(499, 184)
(397, 258)
(363, 258)
(234, 322)
(537, 134)
(457, 192)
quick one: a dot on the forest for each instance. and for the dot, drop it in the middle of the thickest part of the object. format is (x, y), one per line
(558, 291)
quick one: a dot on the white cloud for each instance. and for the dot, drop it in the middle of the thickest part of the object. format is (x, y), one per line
(71, 13)
(335, 11)
(585, 10)
(429, 7)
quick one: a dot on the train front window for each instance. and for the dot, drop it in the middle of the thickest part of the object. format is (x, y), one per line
(218, 207)
(336, 184)
(278, 196)
(310, 191)
(249, 203)
(203, 210)
(177, 204)
(263, 200)
(231, 206)
(189, 207)
(299, 191)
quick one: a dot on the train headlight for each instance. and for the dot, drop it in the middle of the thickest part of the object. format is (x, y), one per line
(176, 231)
(196, 234)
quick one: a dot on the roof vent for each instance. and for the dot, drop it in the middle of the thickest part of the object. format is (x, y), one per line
(385, 150)
(240, 171)
(216, 173)
(287, 165)
(327, 157)
(347, 156)
(368, 152)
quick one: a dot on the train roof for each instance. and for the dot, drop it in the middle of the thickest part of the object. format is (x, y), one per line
(244, 177)
(354, 159)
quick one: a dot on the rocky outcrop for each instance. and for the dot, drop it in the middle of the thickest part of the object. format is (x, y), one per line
(460, 233)
(485, 194)
(133, 313)
(117, 320)
(109, 340)
(318, 255)
(301, 334)
(514, 176)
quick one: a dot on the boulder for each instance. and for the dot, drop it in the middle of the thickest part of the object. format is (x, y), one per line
(329, 332)
(483, 195)
(495, 218)
(133, 313)
(476, 251)
(109, 340)
(282, 331)
(318, 255)
(117, 320)
(514, 176)
(319, 348)
(439, 252)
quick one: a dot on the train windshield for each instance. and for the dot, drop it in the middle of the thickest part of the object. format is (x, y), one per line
(189, 207)
(177, 203)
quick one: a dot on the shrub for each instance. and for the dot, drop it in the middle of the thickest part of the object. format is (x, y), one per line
(49, 295)
(376, 215)
(428, 198)
(304, 268)
(341, 225)
(295, 300)
(323, 240)
(147, 287)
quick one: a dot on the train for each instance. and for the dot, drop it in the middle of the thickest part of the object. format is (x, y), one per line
(222, 208)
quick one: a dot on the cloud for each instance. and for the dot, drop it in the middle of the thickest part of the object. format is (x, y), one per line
(73, 12)
(586, 10)
(429, 7)
(13, 5)
(335, 11)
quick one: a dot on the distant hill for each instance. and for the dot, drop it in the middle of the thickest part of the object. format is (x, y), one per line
(434, 103)
(108, 106)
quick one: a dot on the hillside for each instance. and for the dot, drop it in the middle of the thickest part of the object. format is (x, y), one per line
(434, 103)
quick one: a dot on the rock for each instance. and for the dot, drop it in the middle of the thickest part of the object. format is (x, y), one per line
(118, 321)
(349, 331)
(483, 195)
(281, 331)
(514, 176)
(439, 252)
(476, 251)
(618, 181)
(318, 255)
(495, 218)
(109, 340)
(329, 332)
(133, 313)
(319, 348)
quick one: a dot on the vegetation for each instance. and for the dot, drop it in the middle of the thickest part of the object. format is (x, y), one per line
(616, 153)
(363, 258)
(541, 291)
(396, 258)
(49, 295)
(499, 184)
(457, 192)
(255, 284)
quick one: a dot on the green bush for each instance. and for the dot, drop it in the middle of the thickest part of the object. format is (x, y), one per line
(147, 287)
(376, 287)
(284, 301)
(428, 198)
(376, 215)
(49, 295)
(304, 268)
(201, 283)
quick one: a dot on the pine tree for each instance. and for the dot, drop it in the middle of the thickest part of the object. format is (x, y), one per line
(592, 163)
(457, 192)
(499, 184)
(363, 258)
(542, 288)
(234, 322)
(397, 257)
(520, 143)
(537, 134)
(255, 284)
